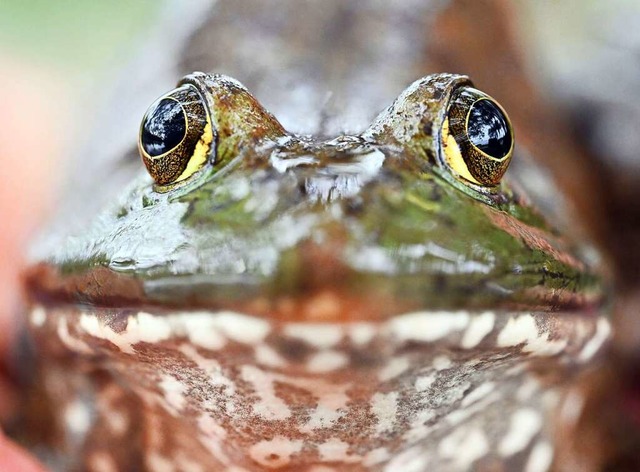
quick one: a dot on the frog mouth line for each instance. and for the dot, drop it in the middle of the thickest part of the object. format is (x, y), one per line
(104, 288)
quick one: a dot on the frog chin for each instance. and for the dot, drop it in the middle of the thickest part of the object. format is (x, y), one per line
(245, 391)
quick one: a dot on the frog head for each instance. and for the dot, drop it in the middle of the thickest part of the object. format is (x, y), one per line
(241, 214)
(281, 301)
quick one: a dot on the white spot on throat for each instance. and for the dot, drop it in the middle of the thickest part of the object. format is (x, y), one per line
(479, 327)
(321, 336)
(385, 408)
(424, 382)
(327, 361)
(361, 333)
(528, 389)
(464, 446)
(269, 406)
(140, 328)
(201, 331)
(267, 356)
(204, 329)
(540, 459)
(427, 326)
(525, 424)
(213, 437)
(414, 459)
(242, 328)
(603, 331)
(331, 407)
(71, 342)
(186, 464)
(523, 330)
(174, 392)
(478, 394)
(442, 363)
(335, 450)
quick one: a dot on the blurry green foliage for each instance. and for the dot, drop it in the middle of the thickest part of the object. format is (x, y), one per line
(75, 35)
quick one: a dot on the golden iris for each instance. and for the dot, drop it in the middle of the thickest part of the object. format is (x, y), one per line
(175, 135)
(477, 138)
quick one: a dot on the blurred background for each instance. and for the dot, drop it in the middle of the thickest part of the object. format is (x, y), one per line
(76, 76)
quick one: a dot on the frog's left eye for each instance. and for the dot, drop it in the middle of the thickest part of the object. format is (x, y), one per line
(175, 135)
(477, 138)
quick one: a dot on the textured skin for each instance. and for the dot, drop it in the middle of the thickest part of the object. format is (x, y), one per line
(305, 355)
(360, 309)
(374, 220)
(423, 391)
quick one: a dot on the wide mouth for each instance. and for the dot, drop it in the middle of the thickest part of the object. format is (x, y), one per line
(353, 298)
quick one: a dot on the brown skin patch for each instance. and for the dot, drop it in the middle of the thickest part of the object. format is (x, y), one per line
(99, 284)
(335, 300)
(534, 238)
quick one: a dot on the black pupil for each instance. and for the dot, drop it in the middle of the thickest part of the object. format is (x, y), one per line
(488, 129)
(163, 128)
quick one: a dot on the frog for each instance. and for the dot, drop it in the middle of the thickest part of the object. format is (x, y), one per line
(267, 300)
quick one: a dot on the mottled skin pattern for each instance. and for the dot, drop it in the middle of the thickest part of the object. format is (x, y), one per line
(424, 391)
(313, 304)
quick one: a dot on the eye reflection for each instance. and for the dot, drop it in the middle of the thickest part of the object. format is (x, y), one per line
(476, 138)
(488, 129)
(163, 128)
(175, 136)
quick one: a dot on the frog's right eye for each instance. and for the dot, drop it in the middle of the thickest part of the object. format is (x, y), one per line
(477, 138)
(175, 135)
